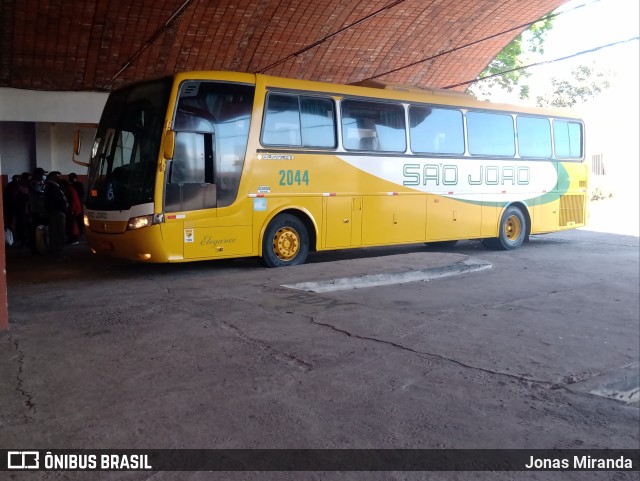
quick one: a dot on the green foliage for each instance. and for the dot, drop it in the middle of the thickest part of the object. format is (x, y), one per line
(586, 82)
(510, 58)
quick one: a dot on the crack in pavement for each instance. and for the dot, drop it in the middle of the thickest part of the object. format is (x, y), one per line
(495, 305)
(305, 298)
(432, 355)
(286, 357)
(305, 366)
(548, 384)
(31, 406)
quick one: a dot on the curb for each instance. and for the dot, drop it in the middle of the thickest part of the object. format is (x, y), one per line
(390, 278)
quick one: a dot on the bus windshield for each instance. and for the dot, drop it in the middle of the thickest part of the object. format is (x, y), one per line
(125, 151)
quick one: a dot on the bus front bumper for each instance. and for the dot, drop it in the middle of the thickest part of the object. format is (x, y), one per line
(143, 244)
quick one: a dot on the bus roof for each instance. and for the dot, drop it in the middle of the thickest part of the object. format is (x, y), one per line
(373, 89)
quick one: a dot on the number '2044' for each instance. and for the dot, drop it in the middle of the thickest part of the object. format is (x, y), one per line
(294, 177)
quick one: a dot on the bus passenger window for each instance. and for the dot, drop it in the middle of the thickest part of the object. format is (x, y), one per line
(436, 131)
(296, 121)
(282, 121)
(318, 122)
(534, 137)
(373, 126)
(491, 134)
(567, 139)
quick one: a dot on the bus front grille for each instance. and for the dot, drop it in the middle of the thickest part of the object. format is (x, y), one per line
(571, 210)
(108, 227)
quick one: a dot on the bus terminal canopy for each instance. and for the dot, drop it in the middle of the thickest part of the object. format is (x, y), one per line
(99, 45)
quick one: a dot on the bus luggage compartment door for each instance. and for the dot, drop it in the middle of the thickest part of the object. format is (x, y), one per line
(343, 221)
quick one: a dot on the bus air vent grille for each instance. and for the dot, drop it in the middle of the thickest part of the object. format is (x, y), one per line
(189, 89)
(571, 210)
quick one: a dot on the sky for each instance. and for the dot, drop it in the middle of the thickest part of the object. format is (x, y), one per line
(596, 23)
(612, 118)
(599, 22)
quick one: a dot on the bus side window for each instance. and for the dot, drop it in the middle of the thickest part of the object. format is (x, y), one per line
(282, 121)
(373, 126)
(534, 137)
(295, 121)
(190, 176)
(317, 122)
(567, 139)
(368, 139)
(212, 130)
(491, 134)
(436, 131)
(188, 159)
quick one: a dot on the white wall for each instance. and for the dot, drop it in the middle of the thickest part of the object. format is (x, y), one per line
(43, 146)
(54, 117)
(16, 147)
(62, 136)
(17, 105)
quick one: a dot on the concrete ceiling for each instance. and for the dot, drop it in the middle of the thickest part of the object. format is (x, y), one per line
(101, 44)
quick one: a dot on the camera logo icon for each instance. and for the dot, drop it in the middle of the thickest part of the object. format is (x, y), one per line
(23, 460)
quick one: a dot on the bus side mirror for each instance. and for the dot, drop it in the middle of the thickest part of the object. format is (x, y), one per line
(169, 144)
(77, 145)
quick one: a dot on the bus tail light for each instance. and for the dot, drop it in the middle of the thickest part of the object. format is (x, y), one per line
(144, 221)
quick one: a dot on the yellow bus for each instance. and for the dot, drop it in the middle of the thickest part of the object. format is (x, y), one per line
(209, 165)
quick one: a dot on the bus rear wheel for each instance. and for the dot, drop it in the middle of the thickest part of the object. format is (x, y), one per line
(285, 242)
(512, 230)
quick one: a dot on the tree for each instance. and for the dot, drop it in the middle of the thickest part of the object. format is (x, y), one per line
(586, 82)
(512, 57)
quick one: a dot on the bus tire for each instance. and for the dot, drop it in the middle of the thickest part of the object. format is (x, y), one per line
(512, 230)
(285, 242)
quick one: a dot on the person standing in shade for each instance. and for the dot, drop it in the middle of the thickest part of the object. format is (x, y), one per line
(74, 209)
(37, 212)
(79, 188)
(56, 205)
(8, 205)
(21, 211)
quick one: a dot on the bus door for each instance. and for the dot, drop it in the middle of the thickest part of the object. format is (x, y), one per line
(212, 127)
(189, 189)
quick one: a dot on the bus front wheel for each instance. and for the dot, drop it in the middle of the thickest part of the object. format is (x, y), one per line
(285, 242)
(512, 230)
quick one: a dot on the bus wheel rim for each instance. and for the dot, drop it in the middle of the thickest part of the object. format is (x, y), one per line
(286, 243)
(513, 228)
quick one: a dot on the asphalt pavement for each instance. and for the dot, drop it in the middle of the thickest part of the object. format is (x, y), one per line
(538, 348)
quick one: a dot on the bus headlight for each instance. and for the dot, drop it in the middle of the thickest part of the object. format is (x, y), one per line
(139, 222)
(85, 219)
(144, 221)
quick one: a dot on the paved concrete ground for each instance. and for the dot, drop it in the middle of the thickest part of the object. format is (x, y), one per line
(107, 354)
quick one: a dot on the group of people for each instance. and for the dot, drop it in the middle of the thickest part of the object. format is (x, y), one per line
(44, 211)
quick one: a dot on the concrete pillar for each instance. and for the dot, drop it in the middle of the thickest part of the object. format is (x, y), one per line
(4, 310)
